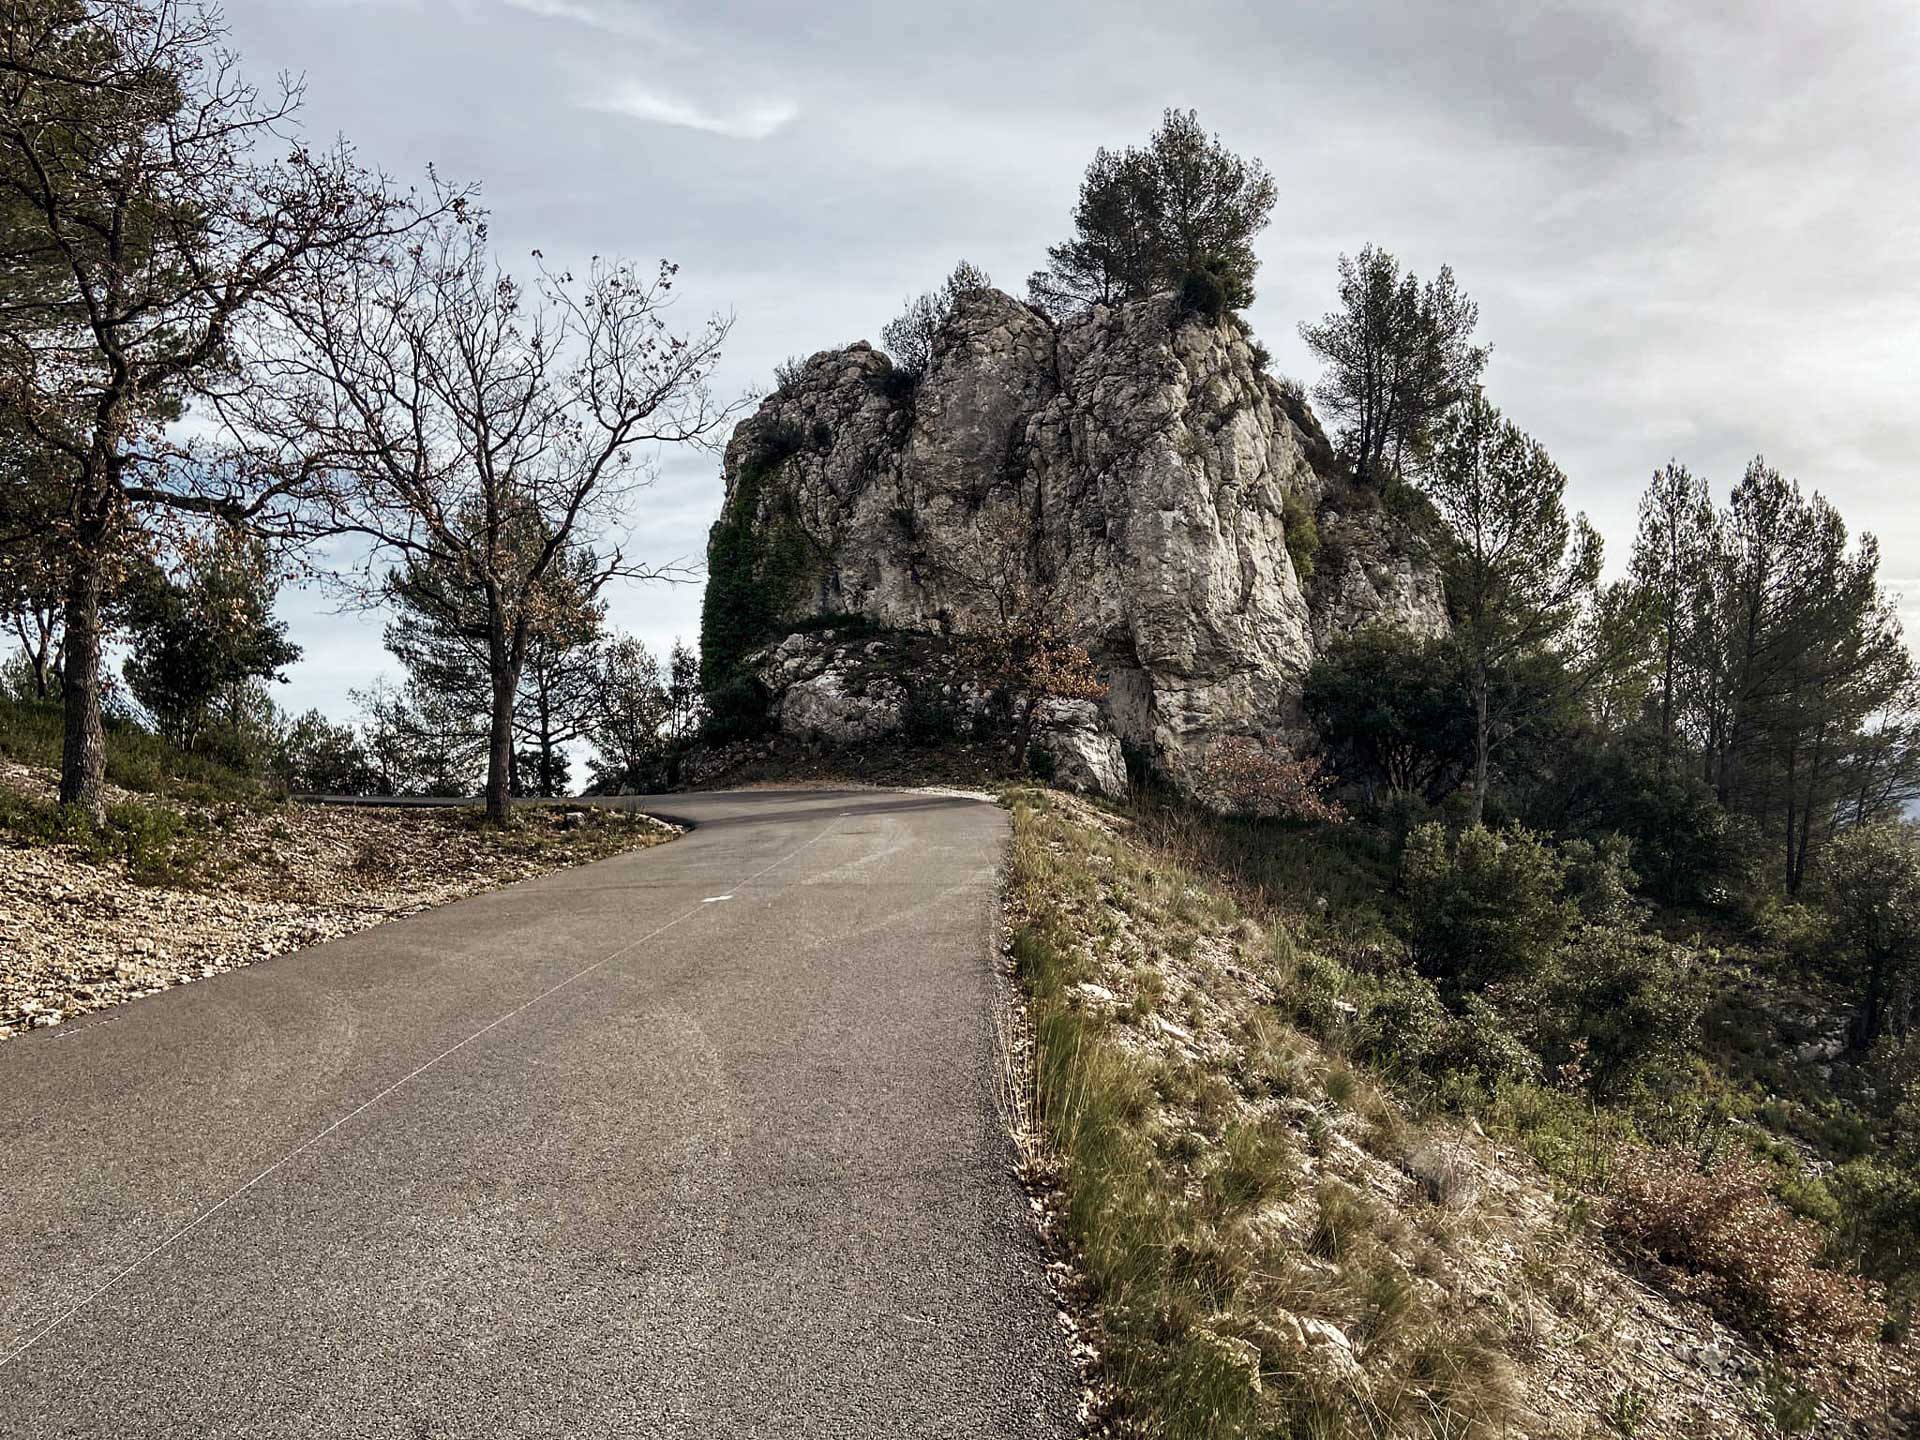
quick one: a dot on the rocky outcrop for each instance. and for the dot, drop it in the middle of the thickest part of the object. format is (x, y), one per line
(1133, 470)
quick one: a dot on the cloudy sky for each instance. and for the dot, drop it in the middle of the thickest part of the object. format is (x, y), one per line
(1691, 227)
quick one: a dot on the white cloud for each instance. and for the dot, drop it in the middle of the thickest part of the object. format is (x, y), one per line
(560, 10)
(752, 122)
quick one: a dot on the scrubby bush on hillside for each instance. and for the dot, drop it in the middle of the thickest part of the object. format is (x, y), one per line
(137, 759)
(1619, 1007)
(1245, 776)
(1877, 1223)
(1204, 294)
(1484, 907)
(1601, 881)
(1872, 886)
(316, 756)
(1686, 848)
(1739, 1250)
(1303, 534)
(1385, 703)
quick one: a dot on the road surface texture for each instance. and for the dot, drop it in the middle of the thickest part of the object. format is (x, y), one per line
(700, 1141)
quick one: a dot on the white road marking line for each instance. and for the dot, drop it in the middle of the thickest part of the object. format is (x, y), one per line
(306, 1145)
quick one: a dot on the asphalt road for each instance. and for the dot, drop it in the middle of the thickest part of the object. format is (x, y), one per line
(700, 1141)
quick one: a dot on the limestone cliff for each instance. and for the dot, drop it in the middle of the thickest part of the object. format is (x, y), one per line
(1134, 467)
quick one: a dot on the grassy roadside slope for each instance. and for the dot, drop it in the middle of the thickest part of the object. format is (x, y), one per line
(1271, 1243)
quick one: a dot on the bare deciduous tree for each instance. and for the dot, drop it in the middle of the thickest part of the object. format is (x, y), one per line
(911, 335)
(487, 428)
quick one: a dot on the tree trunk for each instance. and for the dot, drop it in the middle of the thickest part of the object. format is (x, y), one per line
(1482, 735)
(1868, 1018)
(546, 740)
(1023, 733)
(500, 751)
(83, 754)
(38, 647)
(1666, 699)
(506, 655)
(1798, 860)
(1793, 810)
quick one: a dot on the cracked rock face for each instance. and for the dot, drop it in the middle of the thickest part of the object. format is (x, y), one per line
(1134, 465)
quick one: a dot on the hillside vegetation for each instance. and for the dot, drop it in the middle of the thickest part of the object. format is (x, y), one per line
(1304, 1196)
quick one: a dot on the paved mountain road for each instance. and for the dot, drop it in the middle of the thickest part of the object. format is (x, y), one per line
(600, 1154)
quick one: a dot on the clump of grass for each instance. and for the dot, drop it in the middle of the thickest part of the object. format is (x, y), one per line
(1341, 1086)
(1439, 1163)
(1257, 1163)
(158, 844)
(1210, 1323)
(1149, 991)
(1270, 1061)
(1342, 1217)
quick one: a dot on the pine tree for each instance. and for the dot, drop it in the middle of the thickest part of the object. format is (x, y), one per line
(1669, 552)
(1184, 208)
(1399, 358)
(1517, 570)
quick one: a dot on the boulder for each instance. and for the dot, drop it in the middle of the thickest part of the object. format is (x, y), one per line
(1131, 470)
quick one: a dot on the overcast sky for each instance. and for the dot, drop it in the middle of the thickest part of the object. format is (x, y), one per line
(1691, 227)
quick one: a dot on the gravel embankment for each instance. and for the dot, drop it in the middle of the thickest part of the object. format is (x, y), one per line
(78, 933)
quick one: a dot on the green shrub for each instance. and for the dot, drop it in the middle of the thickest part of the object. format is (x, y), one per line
(1877, 1224)
(1601, 881)
(1401, 1026)
(1303, 534)
(1685, 847)
(1621, 1007)
(737, 709)
(1479, 1043)
(1203, 294)
(1391, 709)
(1484, 908)
(1693, 1112)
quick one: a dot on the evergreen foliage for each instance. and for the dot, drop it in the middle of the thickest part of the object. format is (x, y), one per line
(1517, 570)
(198, 640)
(1179, 214)
(1400, 357)
(760, 561)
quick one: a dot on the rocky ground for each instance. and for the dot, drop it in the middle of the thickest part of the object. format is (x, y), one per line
(84, 926)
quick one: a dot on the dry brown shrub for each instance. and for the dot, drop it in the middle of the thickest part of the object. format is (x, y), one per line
(1245, 776)
(1740, 1251)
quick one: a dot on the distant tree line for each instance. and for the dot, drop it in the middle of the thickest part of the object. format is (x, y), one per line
(1740, 709)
